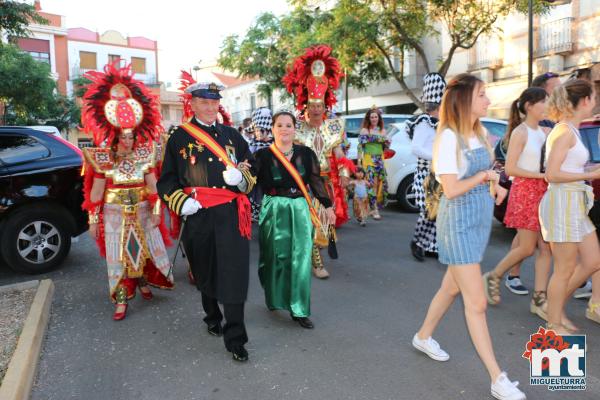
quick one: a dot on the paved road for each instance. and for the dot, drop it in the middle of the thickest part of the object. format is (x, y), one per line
(365, 317)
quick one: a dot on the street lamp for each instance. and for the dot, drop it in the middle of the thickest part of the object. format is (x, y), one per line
(530, 34)
(197, 68)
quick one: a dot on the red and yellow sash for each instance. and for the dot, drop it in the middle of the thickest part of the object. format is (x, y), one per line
(204, 138)
(298, 179)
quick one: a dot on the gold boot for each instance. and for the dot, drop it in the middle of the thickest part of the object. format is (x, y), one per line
(319, 270)
(593, 311)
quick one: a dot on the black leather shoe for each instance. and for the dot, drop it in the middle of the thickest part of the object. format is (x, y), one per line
(239, 353)
(417, 252)
(304, 322)
(431, 254)
(215, 330)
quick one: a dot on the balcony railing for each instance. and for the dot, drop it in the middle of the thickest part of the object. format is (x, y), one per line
(555, 37)
(488, 53)
(148, 79)
(238, 116)
(77, 72)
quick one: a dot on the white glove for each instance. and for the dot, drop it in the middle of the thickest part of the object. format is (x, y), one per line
(190, 206)
(232, 176)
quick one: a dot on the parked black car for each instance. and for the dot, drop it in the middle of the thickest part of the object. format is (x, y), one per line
(40, 199)
(589, 133)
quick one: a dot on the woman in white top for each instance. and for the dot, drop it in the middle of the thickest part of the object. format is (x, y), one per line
(564, 207)
(524, 163)
(462, 161)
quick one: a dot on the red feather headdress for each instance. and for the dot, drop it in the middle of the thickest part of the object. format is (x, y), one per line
(185, 81)
(313, 77)
(115, 102)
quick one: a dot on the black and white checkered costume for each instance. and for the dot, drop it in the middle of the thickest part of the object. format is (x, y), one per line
(434, 85)
(433, 88)
(425, 228)
(262, 119)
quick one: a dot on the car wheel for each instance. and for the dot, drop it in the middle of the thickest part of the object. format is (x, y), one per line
(36, 241)
(406, 195)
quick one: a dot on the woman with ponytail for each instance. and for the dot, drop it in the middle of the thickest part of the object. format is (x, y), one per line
(523, 163)
(462, 161)
(564, 208)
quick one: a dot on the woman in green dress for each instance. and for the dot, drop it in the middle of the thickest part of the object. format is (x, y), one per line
(372, 142)
(285, 227)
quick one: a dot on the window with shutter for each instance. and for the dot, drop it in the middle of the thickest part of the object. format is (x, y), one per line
(138, 65)
(87, 60)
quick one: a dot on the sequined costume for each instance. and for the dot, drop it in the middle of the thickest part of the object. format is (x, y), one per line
(312, 79)
(134, 248)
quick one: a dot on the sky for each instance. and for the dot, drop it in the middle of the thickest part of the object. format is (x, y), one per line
(187, 31)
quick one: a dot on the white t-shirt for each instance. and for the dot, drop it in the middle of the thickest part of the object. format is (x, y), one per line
(422, 142)
(444, 155)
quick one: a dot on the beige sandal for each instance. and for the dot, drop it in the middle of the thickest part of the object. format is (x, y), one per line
(592, 312)
(559, 329)
(491, 285)
(539, 304)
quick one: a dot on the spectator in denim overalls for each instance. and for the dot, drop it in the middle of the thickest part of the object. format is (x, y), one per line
(462, 161)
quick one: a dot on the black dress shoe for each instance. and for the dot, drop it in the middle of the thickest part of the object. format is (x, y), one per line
(304, 322)
(417, 252)
(215, 330)
(239, 353)
(431, 254)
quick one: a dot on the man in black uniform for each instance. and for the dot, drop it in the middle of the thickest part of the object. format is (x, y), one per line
(201, 182)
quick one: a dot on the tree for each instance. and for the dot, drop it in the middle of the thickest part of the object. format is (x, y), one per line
(368, 36)
(27, 90)
(264, 50)
(15, 17)
(272, 42)
(392, 28)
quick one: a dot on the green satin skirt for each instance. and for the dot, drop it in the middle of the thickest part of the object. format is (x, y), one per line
(284, 267)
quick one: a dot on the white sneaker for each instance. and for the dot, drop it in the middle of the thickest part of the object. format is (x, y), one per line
(584, 292)
(515, 285)
(504, 389)
(430, 347)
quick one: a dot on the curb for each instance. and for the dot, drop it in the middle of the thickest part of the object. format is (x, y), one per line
(19, 286)
(18, 381)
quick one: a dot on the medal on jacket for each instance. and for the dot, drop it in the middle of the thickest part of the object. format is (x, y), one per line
(231, 153)
(193, 160)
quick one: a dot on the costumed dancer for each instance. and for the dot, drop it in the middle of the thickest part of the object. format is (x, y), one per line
(201, 181)
(285, 172)
(312, 79)
(421, 130)
(372, 142)
(125, 213)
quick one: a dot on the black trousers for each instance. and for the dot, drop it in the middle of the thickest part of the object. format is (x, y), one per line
(234, 330)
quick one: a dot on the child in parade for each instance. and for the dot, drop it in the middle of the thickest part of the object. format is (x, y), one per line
(360, 201)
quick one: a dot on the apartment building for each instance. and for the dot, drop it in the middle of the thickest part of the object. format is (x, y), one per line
(565, 39)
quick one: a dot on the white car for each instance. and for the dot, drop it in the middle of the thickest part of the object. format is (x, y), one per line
(352, 127)
(402, 163)
(48, 129)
